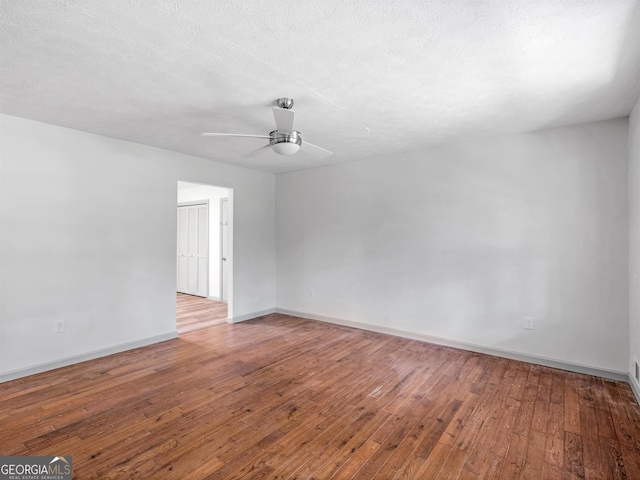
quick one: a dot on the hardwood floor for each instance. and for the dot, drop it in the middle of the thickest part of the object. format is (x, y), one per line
(285, 398)
(194, 313)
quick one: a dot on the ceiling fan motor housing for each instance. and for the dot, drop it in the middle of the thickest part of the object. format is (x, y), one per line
(285, 143)
(284, 102)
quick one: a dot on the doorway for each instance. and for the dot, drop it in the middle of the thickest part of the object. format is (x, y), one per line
(204, 265)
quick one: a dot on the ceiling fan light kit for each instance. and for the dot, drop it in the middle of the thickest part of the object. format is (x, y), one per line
(285, 143)
(284, 140)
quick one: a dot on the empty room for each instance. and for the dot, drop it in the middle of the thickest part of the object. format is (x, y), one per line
(320, 240)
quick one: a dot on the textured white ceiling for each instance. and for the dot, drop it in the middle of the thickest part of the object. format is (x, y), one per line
(416, 73)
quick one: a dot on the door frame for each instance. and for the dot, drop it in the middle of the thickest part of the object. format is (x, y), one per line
(226, 261)
(230, 195)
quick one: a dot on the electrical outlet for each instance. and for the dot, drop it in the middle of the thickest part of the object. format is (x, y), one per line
(311, 293)
(58, 326)
(529, 324)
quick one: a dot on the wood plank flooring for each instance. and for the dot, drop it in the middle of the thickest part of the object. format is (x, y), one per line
(285, 398)
(194, 313)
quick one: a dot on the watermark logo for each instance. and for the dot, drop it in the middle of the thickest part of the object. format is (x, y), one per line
(35, 468)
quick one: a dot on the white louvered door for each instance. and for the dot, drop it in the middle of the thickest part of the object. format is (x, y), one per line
(193, 246)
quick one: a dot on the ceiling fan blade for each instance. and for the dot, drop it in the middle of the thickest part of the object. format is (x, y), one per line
(257, 151)
(284, 119)
(209, 134)
(315, 150)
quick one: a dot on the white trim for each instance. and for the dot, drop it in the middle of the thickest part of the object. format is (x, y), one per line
(221, 291)
(194, 203)
(123, 347)
(548, 362)
(215, 299)
(230, 251)
(250, 316)
(635, 388)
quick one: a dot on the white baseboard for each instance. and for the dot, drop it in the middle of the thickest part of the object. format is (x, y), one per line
(547, 362)
(214, 298)
(103, 352)
(634, 387)
(251, 316)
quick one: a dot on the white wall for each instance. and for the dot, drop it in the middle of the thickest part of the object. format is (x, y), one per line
(634, 238)
(464, 241)
(88, 236)
(459, 242)
(213, 194)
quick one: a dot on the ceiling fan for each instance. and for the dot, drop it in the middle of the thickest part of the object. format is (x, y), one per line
(284, 140)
